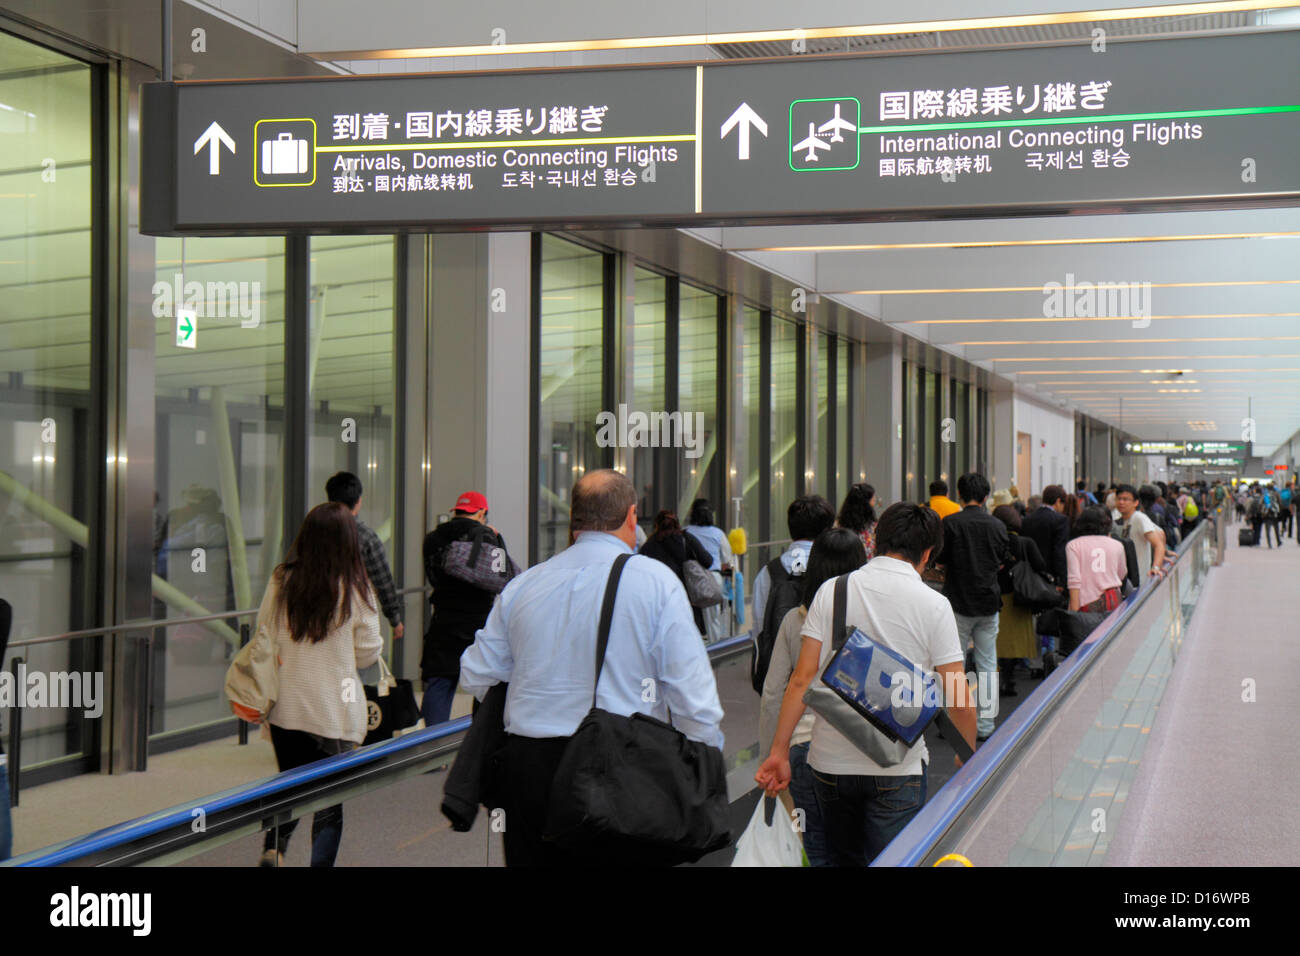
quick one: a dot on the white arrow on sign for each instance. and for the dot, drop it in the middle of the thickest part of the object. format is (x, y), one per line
(213, 137)
(744, 118)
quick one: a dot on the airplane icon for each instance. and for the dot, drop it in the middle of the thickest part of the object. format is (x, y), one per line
(812, 144)
(836, 123)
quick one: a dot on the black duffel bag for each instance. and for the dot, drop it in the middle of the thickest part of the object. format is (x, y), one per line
(634, 791)
(1031, 590)
(390, 706)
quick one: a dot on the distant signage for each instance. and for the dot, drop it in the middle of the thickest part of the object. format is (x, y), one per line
(1216, 448)
(1208, 449)
(1155, 447)
(1207, 462)
(186, 328)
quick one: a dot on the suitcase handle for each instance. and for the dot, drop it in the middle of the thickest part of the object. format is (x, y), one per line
(285, 137)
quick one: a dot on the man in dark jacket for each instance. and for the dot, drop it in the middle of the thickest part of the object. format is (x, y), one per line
(975, 547)
(459, 608)
(1050, 530)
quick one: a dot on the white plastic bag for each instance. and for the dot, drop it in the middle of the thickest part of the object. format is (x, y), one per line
(764, 844)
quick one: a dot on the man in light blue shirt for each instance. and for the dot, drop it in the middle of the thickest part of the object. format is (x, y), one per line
(806, 518)
(541, 639)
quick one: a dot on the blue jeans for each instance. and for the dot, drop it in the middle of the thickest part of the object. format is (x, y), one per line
(863, 814)
(297, 748)
(983, 631)
(805, 799)
(6, 831)
(439, 692)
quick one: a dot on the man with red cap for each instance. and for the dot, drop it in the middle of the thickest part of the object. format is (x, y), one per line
(459, 607)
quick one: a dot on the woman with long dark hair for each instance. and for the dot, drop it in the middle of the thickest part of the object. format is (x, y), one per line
(1072, 507)
(834, 552)
(669, 544)
(321, 609)
(858, 514)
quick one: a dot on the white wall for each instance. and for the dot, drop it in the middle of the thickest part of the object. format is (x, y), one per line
(1051, 433)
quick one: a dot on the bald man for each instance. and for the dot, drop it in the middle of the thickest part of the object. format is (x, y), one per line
(541, 639)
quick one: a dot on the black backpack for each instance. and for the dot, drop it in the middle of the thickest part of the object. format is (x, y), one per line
(785, 594)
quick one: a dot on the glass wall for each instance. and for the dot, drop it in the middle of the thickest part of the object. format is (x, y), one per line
(784, 402)
(697, 385)
(647, 466)
(749, 446)
(571, 363)
(911, 433)
(844, 472)
(350, 371)
(218, 479)
(963, 415)
(46, 410)
(822, 481)
(931, 430)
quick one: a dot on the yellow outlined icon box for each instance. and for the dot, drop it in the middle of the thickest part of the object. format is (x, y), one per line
(278, 151)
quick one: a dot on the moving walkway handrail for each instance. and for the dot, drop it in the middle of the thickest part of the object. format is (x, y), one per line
(943, 810)
(148, 624)
(246, 809)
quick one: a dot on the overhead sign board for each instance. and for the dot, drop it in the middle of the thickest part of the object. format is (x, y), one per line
(1197, 447)
(1155, 447)
(1207, 462)
(1216, 447)
(921, 135)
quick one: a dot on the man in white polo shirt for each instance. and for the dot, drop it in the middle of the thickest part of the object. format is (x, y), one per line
(866, 805)
(1134, 523)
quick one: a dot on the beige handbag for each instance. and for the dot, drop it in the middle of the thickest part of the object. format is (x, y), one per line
(253, 679)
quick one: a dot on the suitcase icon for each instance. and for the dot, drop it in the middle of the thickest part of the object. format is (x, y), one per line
(284, 156)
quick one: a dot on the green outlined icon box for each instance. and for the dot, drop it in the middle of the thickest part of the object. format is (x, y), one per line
(824, 134)
(284, 152)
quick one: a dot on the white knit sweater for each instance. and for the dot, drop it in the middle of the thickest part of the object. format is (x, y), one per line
(320, 691)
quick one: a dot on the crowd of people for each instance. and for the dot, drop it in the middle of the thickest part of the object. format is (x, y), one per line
(1268, 510)
(983, 583)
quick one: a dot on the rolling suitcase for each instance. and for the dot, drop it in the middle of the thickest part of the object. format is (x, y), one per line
(1246, 538)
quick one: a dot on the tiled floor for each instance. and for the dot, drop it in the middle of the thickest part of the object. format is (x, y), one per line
(1218, 785)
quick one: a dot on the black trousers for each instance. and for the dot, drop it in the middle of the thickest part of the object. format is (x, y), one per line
(297, 748)
(523, 785)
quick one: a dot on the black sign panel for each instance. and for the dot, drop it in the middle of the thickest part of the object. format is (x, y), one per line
(418, 150)
(1150, 123)
(1206, 462)
(1194, 447)
(1034, 128)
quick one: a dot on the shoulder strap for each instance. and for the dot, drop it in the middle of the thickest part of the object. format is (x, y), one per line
(774, 568)
(606, 617)
(840, 612)
(477, 536)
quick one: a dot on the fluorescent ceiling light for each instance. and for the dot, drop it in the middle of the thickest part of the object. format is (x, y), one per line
(1250, 338)
(1104, 318)
(1063, 288)
(816, 33)
(997, 243)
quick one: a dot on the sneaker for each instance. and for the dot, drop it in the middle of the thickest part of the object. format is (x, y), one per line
(271, 858)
